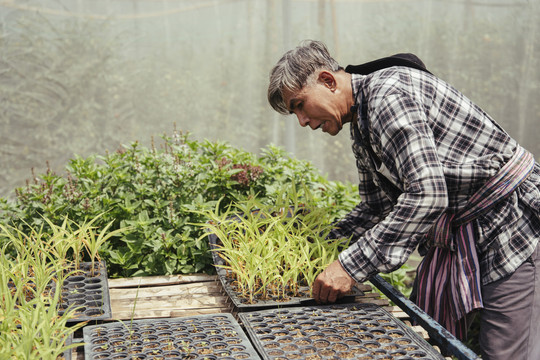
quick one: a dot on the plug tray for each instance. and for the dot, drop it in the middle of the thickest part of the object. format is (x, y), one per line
(204, 337)
(359, 331)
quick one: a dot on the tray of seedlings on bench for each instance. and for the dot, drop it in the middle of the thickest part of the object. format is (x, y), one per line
(266, 258)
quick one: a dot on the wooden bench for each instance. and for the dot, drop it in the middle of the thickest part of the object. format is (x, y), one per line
(187, 295)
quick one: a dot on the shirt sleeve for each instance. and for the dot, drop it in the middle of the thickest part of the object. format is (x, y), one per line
(370, 211)
(404, 142)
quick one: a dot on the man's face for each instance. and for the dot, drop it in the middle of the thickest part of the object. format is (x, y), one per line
(316, 105)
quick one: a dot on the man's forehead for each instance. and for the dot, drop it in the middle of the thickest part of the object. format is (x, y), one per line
(288, 93)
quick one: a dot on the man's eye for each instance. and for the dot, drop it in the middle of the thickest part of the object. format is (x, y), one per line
(294, 107)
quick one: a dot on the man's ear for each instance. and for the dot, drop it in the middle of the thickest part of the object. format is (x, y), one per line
(327, 79)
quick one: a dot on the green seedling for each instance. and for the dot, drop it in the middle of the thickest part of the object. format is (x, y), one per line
(31, 326)
(34, 265)
(94, 241)
(270, 253)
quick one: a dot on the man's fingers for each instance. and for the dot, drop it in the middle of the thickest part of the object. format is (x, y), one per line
(325, 294)
(322, 292)
(331, 284)
(333, 295)
(316, 289)
(320, 289)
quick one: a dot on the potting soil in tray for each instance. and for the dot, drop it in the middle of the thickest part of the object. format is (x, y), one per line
(359, 331)
(214, 336)
(243, 304)
(88, 293)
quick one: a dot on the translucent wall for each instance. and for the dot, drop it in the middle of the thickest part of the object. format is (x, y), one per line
(84, 76)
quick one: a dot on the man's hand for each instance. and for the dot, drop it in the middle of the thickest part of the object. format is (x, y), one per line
(333, 283)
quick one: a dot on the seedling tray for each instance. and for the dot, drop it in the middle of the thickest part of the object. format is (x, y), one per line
(214, 336)
(353, 331)
(87, 293)
(242, 304)
(67, 354)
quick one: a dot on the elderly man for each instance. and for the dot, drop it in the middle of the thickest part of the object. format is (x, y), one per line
(435, 173)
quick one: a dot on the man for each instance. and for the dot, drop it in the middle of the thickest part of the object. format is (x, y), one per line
(435, 173)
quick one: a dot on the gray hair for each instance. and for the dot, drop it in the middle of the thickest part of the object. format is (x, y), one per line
(292, 72)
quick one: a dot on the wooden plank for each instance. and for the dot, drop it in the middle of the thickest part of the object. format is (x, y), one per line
(171, 290)
(420, 331)
(164, 303)
(370, 296)
(380, 302)
(364, 287)
(160, 280)
(168, 313)
(167, 296)
(400, 314)
(192, 312)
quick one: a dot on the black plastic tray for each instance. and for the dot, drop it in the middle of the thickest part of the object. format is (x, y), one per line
(353, 331)
(241, 304)
(67, 354)
(214, 336)
(88, 293)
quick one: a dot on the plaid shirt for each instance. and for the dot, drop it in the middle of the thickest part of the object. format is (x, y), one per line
(431, 149)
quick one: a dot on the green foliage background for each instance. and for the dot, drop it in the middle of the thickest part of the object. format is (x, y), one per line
(157, 191)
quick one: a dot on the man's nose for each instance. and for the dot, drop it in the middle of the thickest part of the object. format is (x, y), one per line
(302, 119)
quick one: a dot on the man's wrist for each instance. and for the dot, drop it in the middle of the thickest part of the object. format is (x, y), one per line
(351, 267)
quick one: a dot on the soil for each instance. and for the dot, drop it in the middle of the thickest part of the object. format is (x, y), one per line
(327, 352)
(205, 351)
(321, 344)
(290, 348)
(347, 355)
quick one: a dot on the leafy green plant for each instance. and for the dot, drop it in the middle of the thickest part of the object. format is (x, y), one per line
(156, 192)
(400, 279)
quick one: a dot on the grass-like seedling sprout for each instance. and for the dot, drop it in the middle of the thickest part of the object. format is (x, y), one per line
(271, 253)
(31, 325)
(33, 267)
(94, 241)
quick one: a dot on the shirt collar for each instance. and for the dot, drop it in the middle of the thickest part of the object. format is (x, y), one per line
(356, 83)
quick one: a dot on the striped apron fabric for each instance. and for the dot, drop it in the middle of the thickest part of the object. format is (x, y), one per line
(448, 278)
